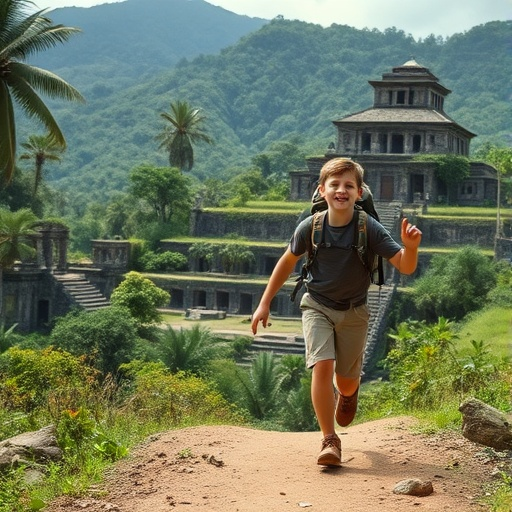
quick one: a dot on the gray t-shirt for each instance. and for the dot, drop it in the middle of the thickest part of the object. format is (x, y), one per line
(337, 276)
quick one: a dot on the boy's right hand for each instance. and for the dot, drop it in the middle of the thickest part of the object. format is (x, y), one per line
(260, 315)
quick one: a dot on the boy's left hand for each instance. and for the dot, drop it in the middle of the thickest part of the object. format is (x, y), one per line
(411, 235)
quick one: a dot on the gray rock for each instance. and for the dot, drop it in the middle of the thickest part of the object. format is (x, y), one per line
(30, 447)
(486, 425)
(414, 487)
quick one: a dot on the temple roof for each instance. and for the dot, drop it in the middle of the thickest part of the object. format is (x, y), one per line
(400, 115)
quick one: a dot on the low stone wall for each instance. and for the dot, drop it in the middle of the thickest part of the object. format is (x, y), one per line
(438, 232)
(254, 226)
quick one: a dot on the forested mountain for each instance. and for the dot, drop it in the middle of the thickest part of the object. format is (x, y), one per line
(286, 78)
(126, 42)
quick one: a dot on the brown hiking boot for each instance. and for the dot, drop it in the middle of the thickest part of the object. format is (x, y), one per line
(331, 451)
(346, 407)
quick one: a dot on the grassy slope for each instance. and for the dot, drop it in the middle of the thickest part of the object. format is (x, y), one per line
(493, 326)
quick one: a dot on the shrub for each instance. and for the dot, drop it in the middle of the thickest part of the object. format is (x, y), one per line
(163, 262)
(32, 378)
(141, 297)
(175, 399)
(106, 337)
(455, 285)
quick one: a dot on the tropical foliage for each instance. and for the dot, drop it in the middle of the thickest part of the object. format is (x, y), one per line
(189, 349)
(21, 35)
(16, 228)
(254, 98)
(182, 132)
(141, 297)
(105, 338)
(165, 189)
(454, 285)
(40, 149)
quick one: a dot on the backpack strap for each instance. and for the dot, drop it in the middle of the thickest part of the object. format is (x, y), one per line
(316, 239)
(360, 245)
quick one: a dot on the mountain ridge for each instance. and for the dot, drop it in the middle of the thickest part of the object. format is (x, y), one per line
(285, 79)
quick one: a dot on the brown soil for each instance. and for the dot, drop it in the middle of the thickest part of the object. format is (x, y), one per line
(238, 469)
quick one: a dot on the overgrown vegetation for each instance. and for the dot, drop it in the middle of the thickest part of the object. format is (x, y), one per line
(105, 397)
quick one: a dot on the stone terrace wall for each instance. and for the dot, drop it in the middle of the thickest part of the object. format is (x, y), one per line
(254, 226)
(457, 232)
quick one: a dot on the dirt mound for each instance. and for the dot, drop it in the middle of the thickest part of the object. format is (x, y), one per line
(237, 469)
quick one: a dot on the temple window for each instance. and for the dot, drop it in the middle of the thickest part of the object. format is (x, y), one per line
(416, 143)
(397, 143)
(366, 145)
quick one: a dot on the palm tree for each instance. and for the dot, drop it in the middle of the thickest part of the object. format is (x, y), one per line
(15, 231)
(22, 35)
(501, 159)
(41, 148)
(184, 130)
(261, 385)
(189, 349)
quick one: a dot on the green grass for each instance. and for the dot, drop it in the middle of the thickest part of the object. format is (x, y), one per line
(268, 206)
(224, 241)
(470, 212)
(291, 326)
(493, 326)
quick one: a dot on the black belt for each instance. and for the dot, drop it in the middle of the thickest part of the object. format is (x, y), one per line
(349, 305)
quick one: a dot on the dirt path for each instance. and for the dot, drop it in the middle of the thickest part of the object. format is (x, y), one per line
(237, 469)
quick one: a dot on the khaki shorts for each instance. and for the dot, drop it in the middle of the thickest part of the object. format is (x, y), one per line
(332, 334)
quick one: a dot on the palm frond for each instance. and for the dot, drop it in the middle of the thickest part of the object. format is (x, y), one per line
(33, 106)
(45, 81)
(8, 138)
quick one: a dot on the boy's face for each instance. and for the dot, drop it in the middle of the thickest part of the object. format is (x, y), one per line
(341, 191)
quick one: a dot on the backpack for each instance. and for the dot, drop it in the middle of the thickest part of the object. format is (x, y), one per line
(363, 207)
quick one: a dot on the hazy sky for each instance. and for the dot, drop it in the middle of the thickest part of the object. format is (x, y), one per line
(420, 19)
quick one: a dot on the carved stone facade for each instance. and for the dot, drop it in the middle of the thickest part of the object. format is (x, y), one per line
(407, 119)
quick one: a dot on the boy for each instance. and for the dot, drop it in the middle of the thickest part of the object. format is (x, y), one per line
(334, 311)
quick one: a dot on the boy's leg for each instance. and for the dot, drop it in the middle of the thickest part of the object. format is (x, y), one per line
(350, 347)
(347, 386)
(320, 355)
(322, 395)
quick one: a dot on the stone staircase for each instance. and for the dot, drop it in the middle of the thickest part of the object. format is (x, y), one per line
(280, 345)
(389, 214)
(81, 292)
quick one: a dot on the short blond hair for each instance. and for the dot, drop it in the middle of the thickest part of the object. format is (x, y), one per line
(341, 166)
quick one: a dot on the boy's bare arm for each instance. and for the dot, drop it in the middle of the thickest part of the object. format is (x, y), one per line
(280, 274)
(406, 259)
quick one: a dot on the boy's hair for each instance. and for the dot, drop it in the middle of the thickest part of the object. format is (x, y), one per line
(341, 166)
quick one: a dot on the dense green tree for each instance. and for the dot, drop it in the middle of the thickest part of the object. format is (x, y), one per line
(287, 78)
(22, 35)
(297, 413)
(106, 337)
(165, 189)
(17, 194)
(87, 227)
(118, 215)
(141, 297)
(455, 284)
(184, 129)
(40, 149)
(16, 228)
